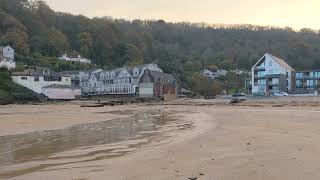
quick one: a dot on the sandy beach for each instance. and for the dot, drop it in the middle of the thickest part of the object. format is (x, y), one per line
(199, 139)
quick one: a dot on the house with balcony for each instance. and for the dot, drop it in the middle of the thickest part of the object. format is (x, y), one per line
(307, 81)
(272, 74)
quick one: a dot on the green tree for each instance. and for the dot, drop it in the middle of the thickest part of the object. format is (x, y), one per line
(86, 43)
(18, 39)
(57, 42)
(205, 86)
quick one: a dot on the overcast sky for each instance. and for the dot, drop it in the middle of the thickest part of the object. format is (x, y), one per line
(294, 13)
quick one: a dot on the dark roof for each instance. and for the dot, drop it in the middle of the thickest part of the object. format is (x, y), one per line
(163, 77)
(38, 72)
(70, 72)
(60, 86)
(316, 70)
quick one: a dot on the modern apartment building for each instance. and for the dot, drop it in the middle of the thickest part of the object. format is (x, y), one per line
(307, 81)
(272, 74)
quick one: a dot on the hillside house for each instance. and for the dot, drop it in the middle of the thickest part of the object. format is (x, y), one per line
(7, 57)
(213, 75)
(272, 74)
(77, 59)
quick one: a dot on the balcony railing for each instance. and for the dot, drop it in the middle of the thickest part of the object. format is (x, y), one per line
(273, 84)
(259, 68)
(259, 76)
(307, 77)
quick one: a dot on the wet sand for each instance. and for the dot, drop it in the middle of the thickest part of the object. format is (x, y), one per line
(256, 140)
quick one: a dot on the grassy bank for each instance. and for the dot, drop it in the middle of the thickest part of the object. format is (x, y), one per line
(11, 92)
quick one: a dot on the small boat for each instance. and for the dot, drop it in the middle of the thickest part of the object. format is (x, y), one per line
(92, 105)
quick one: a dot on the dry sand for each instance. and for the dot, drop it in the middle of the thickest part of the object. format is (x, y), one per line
(259, 140)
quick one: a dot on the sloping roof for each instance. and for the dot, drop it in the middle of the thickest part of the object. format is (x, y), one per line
(163, 77)
(38, 72)
(59, 86)
(281, 62)
(97, 75)
(70, 72)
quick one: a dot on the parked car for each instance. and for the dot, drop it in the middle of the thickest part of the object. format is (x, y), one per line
(239, 96)
(259, 94)
(281, 94)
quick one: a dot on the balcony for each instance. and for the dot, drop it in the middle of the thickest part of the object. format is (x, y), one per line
(273, 84)
(258, 68)
(311, 77)
(259, 76)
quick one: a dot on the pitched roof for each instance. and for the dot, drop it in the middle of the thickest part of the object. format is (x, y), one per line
(59, 86)
(38, 72)
(281, 62)
(162, 77)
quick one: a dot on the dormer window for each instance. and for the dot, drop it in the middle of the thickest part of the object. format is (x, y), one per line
(136, 72)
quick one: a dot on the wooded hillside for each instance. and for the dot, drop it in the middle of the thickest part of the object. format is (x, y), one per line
(39, 34)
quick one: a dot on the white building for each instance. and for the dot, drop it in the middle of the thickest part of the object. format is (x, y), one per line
(7, 57)
(61, 92)
(47, 82)
(213, 75)
(271, 74)
(122, 81)
(77, 59)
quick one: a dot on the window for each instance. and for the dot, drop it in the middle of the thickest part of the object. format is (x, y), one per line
(270, 63)
(261, 74)
(36, 79)
(299, 83)
(24, 78)
(299, 75)
(275, 81)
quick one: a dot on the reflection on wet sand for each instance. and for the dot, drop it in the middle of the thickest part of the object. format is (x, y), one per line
(38, 151)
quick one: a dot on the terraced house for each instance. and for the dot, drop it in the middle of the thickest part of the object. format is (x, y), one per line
(121, 81)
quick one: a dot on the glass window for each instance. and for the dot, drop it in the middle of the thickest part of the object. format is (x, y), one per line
(299, 83)
(299, 75)
(36, 79)
(270, 63)
(310, 83)
(275, 81)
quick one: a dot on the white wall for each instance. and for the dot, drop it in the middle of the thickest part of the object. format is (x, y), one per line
(146, 89)
(37, 86)
(8, 52)
(61, 93)
(8, 64)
